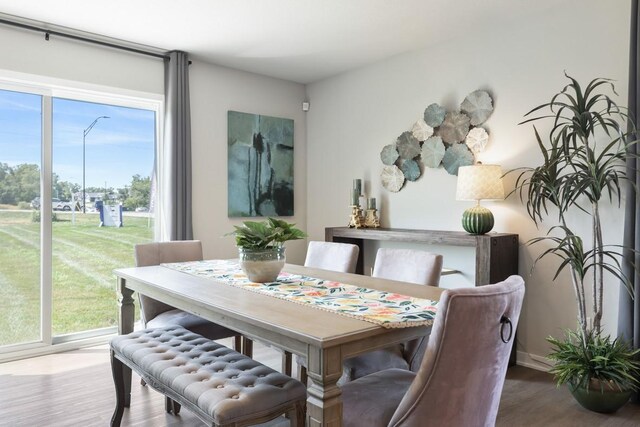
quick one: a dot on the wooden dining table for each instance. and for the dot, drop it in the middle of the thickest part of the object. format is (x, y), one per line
(325, 338)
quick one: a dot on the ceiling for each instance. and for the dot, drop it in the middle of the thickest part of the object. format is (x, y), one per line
(298, 40)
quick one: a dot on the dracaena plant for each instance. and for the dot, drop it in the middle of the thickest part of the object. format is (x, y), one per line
(583, 168)
(265, 234)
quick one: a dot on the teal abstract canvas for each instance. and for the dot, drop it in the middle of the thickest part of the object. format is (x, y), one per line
(260, 165)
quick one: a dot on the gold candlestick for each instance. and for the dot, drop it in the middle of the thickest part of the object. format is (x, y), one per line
(356, 219)
(371, 220)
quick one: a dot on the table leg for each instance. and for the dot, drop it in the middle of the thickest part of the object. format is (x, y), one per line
(126, 319)
(324, 401)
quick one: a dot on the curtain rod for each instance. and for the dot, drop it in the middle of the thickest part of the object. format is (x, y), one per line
(80, 38)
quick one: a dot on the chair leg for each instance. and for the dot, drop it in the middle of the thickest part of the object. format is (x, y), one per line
(247, 347)
(237, 343)
(302, 374)
(117, 368)
(286, 363)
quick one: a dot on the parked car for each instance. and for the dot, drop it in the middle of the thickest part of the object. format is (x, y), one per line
(142, 209)
(56, 204)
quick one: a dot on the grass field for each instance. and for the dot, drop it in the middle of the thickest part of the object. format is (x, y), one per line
(84, 256)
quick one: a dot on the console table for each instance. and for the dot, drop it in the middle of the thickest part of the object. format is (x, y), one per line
(496, 253)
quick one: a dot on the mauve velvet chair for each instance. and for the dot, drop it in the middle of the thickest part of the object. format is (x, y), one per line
(332, 256)
(405, 265)
(156, 314)
(460, 380)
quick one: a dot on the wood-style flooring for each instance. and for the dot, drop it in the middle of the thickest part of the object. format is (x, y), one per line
(75, 389)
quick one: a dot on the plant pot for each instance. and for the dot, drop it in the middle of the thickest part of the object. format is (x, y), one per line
(262, 265)
(594, 399)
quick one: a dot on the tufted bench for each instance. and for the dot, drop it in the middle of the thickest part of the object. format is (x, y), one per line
(221, 386)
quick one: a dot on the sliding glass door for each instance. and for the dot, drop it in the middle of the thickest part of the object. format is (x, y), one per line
(76, 194)
(20, 234)
(103, 159)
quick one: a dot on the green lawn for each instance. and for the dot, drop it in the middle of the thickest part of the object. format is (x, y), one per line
(84, 256)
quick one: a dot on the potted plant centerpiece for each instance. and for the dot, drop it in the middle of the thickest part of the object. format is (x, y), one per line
(261, 247)
(583, 167)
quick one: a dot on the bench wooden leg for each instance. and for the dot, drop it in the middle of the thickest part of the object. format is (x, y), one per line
(297, 415)
(237, 343)
(171, 405)
(117, 370)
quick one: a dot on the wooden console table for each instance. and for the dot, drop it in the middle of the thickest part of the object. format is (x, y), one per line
(496, 253)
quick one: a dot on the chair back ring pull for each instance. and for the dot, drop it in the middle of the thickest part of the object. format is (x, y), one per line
(504, 320)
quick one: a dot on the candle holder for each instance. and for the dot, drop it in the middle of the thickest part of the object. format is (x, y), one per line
(356, 220)
(371, 220)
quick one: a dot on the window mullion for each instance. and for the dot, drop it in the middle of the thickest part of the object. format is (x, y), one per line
(46, 282)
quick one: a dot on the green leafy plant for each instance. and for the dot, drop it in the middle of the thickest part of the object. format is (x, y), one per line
(584, 164)
(265, 234)
(582, 360)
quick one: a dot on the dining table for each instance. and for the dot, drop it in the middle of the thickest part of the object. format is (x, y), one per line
(323, 337)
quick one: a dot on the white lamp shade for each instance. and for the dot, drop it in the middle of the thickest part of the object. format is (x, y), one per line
(480, 182)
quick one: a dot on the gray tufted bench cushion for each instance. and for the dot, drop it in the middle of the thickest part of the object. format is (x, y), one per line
(221, 386)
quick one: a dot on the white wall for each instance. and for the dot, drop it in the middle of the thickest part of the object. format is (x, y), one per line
(521, 63)
(215, 90)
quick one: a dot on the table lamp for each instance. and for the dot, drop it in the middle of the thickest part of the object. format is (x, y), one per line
(479, 182)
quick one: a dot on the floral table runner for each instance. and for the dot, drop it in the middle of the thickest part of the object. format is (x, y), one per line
(386, 309)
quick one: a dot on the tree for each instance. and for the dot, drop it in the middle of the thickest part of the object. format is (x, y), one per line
(139, 192)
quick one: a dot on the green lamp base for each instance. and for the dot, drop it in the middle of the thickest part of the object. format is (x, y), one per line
(477, 220)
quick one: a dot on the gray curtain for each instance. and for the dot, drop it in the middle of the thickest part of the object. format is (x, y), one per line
(629, 313)
(177, 148)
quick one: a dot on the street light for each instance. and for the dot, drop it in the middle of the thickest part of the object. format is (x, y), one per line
(84, 175)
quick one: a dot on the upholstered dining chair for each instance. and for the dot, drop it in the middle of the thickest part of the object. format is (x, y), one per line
(460, 380)
(156, 314)
(332, 256)
(405, 265)
(408, 265)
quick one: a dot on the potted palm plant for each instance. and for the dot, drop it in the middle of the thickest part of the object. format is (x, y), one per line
(583, 167)
(261, 247)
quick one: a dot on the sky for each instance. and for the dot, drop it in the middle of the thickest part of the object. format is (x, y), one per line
(116, 148)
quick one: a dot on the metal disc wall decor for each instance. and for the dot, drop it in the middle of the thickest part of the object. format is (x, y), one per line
(408, 146)
(457, 155)
(476, 140)
(478, 106)
(434, 115)
(432, 152)
(389, 154)
(392, 178)
(443, 138)
(411, 170)
(454, 128)
(421, 130)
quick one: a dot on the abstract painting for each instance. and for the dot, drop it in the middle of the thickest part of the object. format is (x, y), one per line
(260, 165)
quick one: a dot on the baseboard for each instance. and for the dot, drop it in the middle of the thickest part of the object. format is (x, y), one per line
(43, 350)
(533, 361)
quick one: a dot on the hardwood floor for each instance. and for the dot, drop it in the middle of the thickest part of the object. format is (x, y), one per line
(75, 389)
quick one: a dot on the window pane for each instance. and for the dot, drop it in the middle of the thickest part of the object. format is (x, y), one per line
(103, 159)
(20, 153)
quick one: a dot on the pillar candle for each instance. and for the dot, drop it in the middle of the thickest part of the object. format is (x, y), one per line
(357, 185)
(371, 203)
(355, 197)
